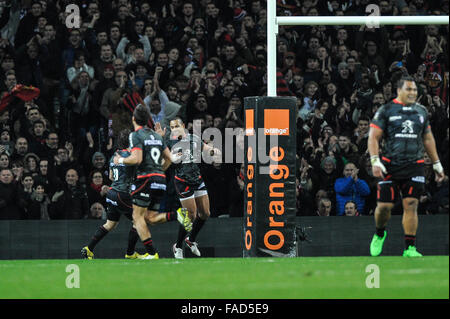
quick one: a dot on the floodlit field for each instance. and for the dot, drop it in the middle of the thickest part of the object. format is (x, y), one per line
(227, 278)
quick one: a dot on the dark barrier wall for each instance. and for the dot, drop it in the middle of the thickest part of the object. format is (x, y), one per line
(220, 237)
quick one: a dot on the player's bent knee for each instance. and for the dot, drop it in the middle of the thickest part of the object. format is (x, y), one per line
(110, 225)
(385, 208)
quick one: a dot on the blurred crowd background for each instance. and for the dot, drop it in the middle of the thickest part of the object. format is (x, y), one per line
(67, 91)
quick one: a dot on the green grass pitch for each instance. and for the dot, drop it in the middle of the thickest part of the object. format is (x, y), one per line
(227, 278)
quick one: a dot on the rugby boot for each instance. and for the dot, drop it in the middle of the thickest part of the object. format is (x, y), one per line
(86, 253)
(193, 246)
(177, 252)
(411, 252)
(376, 246)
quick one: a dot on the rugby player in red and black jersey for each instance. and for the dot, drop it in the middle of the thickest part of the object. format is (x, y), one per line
(148, 150)
(190, 187)
(404, 127)
(119, 202)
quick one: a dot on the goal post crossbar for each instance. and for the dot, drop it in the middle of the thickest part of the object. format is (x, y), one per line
(273, 21)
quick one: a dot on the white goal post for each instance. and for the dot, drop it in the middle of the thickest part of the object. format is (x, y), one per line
(273, 21)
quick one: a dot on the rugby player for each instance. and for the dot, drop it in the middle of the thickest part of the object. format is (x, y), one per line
(189, 185)
(119, 202)
(403, 124)
(148, 150)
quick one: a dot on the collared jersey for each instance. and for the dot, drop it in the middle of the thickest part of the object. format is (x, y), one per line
(191, 147)
(152, 146)
(403, 128)
(122, 175)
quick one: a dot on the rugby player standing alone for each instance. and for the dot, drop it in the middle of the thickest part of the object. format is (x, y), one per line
(403, 125)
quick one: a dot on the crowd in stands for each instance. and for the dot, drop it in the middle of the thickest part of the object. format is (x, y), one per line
(66, 92)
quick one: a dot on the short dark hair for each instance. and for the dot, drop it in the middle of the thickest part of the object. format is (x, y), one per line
(404, 79)
(351, 202)
(122, 141)
(141, 115)
(364, 118)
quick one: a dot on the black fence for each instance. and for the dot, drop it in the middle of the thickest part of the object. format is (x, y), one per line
(220, 237)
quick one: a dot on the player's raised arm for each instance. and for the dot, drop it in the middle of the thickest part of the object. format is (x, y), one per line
(168, 159)
(134, 159)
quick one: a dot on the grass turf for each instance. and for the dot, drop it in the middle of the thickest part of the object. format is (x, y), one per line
(228, 278)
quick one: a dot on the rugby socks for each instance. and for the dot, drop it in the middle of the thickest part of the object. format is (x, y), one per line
(410, 240)
(181, 235)
(380, 232)
(196, 226)
(132, 240)
(99, 234)
(148, 244)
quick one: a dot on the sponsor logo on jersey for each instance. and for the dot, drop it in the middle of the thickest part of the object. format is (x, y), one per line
(407, 130)
(394, 118)
(158, 186)
(418, 179)
(144, 195)
(152, 142)
(112, 202)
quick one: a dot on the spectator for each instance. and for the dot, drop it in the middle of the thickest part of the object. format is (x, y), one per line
(97, 189)
(4, 161)
(97, 211)
(212, 56)
(350, 187)
(70, 201)
(351, 208)
(11, 205)
(20, 149)
(39, 202)
(324, 207)
(31, 164)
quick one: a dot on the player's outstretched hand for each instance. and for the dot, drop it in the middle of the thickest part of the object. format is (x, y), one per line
(159, 130)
